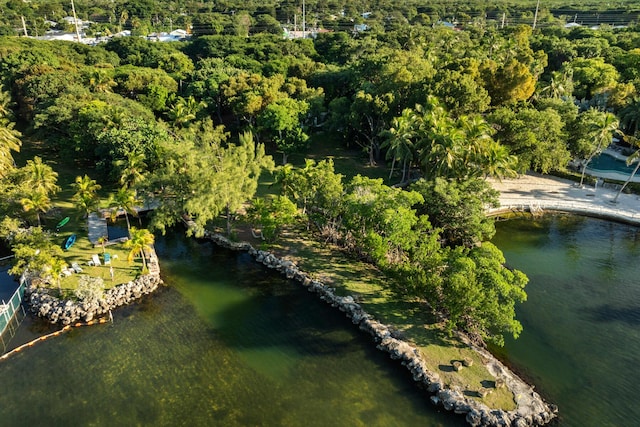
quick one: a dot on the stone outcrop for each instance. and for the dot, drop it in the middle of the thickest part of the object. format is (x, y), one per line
(66, 312)
(531, 409)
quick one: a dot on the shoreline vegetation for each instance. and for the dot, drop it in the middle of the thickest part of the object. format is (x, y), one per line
(395, 129)
(447, 385)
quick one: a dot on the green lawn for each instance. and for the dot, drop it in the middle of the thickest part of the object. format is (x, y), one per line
(82, 251)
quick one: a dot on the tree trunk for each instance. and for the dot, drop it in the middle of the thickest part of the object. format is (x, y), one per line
(228, 220)
(284, 158)
(404, 170)
(126, 216)
(393, 163)
(584, 166)
(615, 199)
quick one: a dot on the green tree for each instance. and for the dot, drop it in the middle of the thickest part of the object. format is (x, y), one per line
(380, 219)
(399, 139)
(9, 137)
(86, 194)
(591, 76)
(140, 240)
(132, 169)
(56, 267)
(479, 294)
(537, 138)
(599, 128)
(37, 201)
(39, 176)
(124, 200)
(508, 83)
(457, 208)
(33, 249)
(200, 178)
(271, 215)
(282, 121)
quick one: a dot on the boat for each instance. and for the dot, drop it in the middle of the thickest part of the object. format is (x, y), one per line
(62, 223)
(69, 242)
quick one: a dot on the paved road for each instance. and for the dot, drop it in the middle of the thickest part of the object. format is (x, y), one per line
(540, 192)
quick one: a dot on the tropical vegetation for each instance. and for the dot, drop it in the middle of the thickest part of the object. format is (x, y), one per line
(429, 113)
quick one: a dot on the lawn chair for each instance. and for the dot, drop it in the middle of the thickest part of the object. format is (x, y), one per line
(107, 258)
(96, 260)
(75, 267)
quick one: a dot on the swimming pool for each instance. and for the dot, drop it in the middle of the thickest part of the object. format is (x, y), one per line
(608, 166)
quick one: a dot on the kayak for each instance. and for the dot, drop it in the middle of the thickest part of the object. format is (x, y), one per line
(63, 222)
(69, 241)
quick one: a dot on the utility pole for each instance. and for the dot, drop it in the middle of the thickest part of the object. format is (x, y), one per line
(75, 18)
(535, 17)
(304, 20)
(24, 27)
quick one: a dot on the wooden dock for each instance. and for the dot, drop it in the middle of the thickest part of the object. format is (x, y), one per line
(97, 228)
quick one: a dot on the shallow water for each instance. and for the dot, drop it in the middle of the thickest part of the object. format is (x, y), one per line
(581, 338)
(226, 343)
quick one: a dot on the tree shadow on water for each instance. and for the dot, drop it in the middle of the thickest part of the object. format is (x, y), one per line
(609, 313)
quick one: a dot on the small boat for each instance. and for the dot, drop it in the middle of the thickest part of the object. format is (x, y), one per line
(62, 223)
(69, 242)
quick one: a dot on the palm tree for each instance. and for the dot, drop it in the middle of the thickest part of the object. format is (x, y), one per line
(630, 116)
(40, 176)
(103, 240)
(140, 241)
(36, 201)
(497, 162)
(86, 197)
(131, 169)
(9, 137)
(400, 140)
(284, 176)
(126, 200)
(56, 267)
(601, 130)
(635, 157)
(100, 80)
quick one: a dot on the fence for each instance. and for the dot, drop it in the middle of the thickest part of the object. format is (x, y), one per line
(11, 314)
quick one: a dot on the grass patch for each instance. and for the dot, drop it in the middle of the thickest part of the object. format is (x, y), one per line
(82, 250)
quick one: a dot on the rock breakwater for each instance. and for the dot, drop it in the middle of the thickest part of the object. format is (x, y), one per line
(531, 409)
(65, 312)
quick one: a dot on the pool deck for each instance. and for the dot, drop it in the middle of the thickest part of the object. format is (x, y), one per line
(537, 193)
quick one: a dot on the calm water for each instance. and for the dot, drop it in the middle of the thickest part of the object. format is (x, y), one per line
(226, 343)
(581, 339)
(605, 162)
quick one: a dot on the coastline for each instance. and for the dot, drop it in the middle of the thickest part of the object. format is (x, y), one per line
(531, 409)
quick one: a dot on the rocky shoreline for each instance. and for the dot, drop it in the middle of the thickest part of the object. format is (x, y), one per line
(66, 312)
(531, 409)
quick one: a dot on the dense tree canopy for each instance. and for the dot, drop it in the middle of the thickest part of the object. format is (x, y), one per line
(191, 126)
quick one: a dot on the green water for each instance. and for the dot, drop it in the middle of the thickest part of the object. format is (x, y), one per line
(581, 339)
(225, 343)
